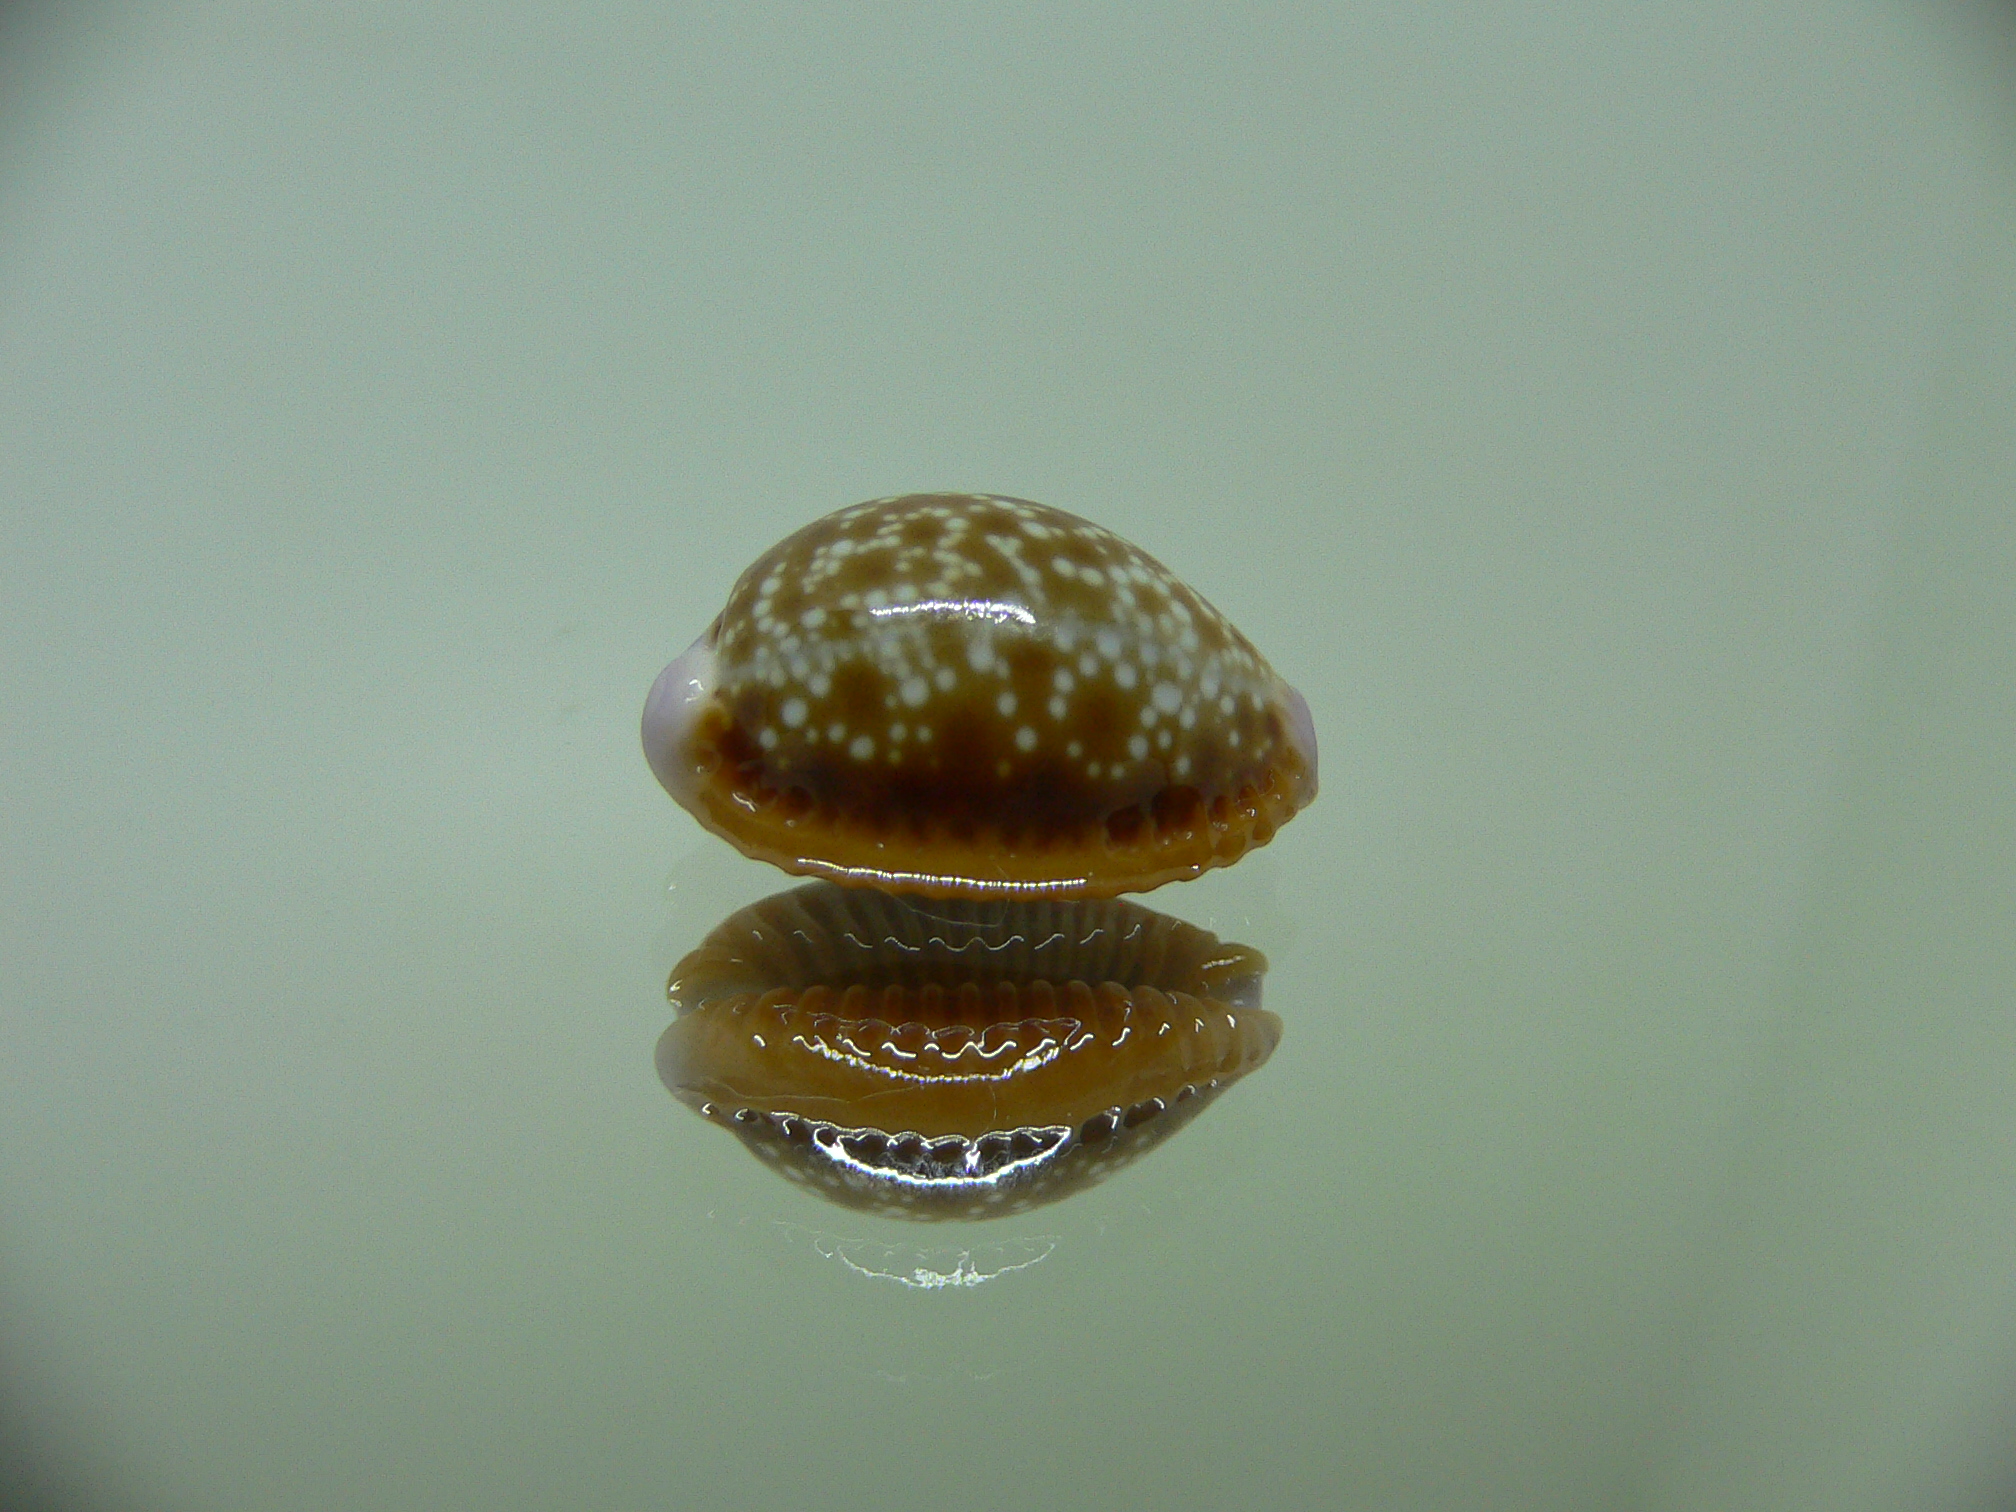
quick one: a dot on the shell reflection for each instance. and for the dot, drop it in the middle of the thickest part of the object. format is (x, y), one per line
(958, 1058)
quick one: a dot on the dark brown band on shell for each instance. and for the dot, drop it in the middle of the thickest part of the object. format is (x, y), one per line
(949, 837)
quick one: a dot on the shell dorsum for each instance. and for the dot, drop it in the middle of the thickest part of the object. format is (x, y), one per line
(960, 694)
(963, 1058)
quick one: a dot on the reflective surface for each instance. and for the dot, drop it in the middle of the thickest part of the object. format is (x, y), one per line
(1602, 414)
(958, 1059)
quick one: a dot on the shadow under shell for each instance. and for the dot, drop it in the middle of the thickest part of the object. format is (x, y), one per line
(956, 1058)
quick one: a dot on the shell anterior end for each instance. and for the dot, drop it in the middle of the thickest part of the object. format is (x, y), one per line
(671, 713)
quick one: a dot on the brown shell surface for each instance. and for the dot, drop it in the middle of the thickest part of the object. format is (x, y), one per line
(961, 1059)
(961, 694)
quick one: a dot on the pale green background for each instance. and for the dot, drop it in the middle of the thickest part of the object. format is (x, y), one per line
(1605, 413)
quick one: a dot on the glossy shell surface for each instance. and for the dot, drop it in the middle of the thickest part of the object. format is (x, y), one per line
(958, 694)
(958, 1059)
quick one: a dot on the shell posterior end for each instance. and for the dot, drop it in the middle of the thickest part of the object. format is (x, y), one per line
(670, 714)
(1302, 740)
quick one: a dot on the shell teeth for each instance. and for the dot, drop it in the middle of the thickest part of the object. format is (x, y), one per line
(964, 1112)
